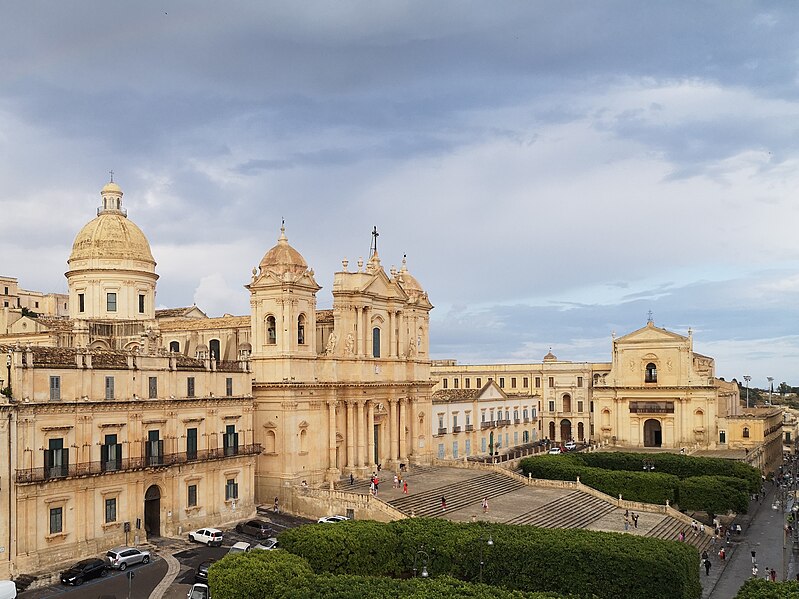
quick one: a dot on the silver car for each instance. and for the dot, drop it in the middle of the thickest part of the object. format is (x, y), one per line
(122, 557)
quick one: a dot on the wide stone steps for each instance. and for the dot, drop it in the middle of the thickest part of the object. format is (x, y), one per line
(575, 510)
(386, 478)
(458, 495)
(669, 528)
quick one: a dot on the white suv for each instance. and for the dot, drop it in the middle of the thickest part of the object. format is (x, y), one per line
(570, 445)
(210, 536)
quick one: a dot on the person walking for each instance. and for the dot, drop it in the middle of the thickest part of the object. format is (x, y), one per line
(773, 575)
(352, 479)
(754, 570)
(635, 520)
(275, 509)
(405, 487)
(485, 505)
(707, 567)
(443, 504)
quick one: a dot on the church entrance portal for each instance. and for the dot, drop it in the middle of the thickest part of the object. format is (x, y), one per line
(565, 430)
(152, 512)
(653, 435)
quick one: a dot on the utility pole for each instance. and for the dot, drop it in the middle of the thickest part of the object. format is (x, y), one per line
(770, 387)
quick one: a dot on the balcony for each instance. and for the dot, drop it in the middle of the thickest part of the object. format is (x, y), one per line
(526, 420)
(487, 424)
(442, 431)
(469, 428)
(37, 475)
(517, 421)
(456, 429)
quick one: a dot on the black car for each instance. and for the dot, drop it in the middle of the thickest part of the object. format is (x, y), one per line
(84, 570)
(201, 575)
(256, 528)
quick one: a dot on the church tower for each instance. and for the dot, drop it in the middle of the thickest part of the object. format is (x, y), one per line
(111, 272)
(283, 308)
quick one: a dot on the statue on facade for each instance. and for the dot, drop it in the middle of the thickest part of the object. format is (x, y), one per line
(349, 345)
(411, 348)
(331, 343)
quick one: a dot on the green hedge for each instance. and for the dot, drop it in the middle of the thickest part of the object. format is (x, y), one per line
(261, 574)
(758, 588)
(713, 494)
(525, 558)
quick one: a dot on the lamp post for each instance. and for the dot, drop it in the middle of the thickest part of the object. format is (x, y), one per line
(424, 561)
(483, 543)
(649, 465)
(770, 387)
(747, 378)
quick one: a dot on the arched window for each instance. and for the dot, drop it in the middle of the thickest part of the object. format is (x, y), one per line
(271, 331)
(270, 446)
(746, 432)
(213, 347)
(174, 346)
(303, 440)
(651, 373)
(301, 329)
(567, 403)
(376, 342)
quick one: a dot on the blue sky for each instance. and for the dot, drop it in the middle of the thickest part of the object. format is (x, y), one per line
(553, 171)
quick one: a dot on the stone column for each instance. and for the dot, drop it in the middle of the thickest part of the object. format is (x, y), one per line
(360, 458)
(350, 434)
(358, 332)
(366, 332)
(331, 407)
(391, 323)
(370, 434)
(413, 426)
(400, 326)
(392, 424)
(403, 451)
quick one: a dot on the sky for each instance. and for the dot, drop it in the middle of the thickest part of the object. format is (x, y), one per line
(552, 170)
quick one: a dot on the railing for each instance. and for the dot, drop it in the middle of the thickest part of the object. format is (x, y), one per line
(517, 421)
(526, 420)
(469, 428)
(442, 431)
(36, 475)
(487, 424)
(456, 429)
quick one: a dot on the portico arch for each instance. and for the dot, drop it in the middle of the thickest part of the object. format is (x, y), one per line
(653, 433)
(565, 429)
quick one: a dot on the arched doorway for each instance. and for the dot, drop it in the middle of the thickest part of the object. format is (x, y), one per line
(552, 431)
(565, 430)
(653, 435)
(152, 511)
(580, 431)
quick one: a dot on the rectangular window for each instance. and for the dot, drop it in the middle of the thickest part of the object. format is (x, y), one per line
(579, 406)
(109, 387)
(229, 386)
(538, 382)
(551, 406)
(231, 440)
(483, 416)
(190, 386)
(152, 387)
(231, 489)
(483, 446)
(191, 443)
(454, 383)
(55, 388)
(479, 383)
(6, 292)
(56, 520)
(526, 382)
(110, 510)
(441, 451)
(469, 420)
(81, 302)
(468, 447)
(36, 304)
(579, 381)
(455, 450)
(468, 385)
(192, 499)
(154, 453)
(515, 437)
(513, 382)
(56, 459)
(454, 420)
(552, 381)
(110, 454)
(141, 303)
(111, 302)
(445, 383)
(502, 382)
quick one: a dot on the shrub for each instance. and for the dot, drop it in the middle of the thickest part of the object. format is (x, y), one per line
(255, 574)
(757, 588)
(714, 494)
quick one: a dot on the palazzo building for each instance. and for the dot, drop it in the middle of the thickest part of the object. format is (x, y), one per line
(122, 421)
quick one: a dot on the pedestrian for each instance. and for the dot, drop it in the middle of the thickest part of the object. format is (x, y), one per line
(754, 570)
(485, 505)
(681, 536)
(275, 509)
(707, 567)
(773, 575)
(352, 479)
(713, 541)
(626, 523)
(443, 504)
(722, 554)
(377, 484)
(705, 555)
(405, 487)
(396, 482)
(372, 487)
(635, 520)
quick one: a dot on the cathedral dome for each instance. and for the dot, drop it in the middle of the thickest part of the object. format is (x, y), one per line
(111, 236)
(283, 258)
(408, 282)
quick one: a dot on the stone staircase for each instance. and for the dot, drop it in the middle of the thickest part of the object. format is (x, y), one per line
(669, 528)
(575, 510)
(459, 495)
(386, 478)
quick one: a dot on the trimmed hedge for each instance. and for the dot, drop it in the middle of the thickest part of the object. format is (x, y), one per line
(524, 558)
(715, 485)
(758, 588)
(280, 574)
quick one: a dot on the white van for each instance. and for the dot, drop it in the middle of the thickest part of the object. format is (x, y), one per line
(8, 590)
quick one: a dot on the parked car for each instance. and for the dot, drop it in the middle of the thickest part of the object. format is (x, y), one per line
(122, 557)
(240, 547)
(555, 451)
(570, 445)
(255, 528)
(332, 519)
(83, 571)
(8, 590)
(199, 591)
(268, 544)
(209, 536)
(201, 575)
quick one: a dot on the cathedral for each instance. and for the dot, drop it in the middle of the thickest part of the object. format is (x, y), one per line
(123, 422)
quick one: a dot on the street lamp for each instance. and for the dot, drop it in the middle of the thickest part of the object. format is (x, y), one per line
(747, 378)
(649, 465)
(424, 560)
(490, 543)
(770, 387)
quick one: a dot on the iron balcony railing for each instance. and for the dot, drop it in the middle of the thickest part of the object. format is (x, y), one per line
(37, 475)
(469, 428)
(456, 429)
(442, 431)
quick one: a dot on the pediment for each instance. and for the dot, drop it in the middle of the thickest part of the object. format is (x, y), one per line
(490, 392)
(26, 324)
(650, 333)
(381, 286)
